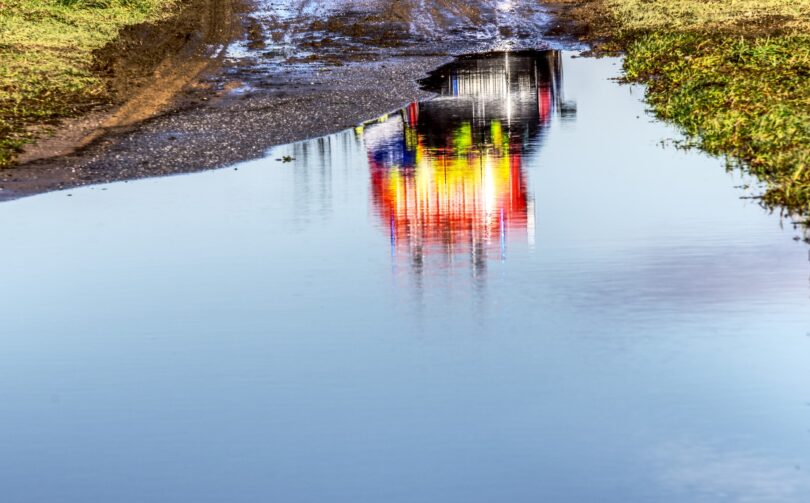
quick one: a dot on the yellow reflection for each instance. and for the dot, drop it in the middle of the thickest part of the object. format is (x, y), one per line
(454, 198)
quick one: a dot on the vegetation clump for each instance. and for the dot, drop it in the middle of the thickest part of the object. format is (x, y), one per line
(735, 75)
(46, 59)
(748, 99)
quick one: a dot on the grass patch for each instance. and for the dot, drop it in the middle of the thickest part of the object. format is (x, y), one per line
(734, 74)
(748, 99)
(46, 59)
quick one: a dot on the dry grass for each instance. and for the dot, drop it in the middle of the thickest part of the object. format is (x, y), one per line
(749, 16)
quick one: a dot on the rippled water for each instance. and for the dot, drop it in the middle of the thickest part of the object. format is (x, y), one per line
(511, 293)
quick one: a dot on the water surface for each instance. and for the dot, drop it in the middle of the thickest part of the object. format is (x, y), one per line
(511, 293)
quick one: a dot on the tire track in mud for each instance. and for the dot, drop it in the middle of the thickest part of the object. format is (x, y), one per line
(148, 66)
(313, 31)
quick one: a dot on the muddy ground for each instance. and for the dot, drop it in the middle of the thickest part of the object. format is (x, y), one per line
(295, 70)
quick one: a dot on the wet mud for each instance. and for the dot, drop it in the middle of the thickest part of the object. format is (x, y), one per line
(301, 69)
(144, 69)
(129, 62)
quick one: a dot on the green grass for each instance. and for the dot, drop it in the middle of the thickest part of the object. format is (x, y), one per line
(46, 59)
(748, 99)
(734, 74)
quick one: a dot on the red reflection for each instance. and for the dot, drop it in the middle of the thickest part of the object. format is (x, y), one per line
(451, 198)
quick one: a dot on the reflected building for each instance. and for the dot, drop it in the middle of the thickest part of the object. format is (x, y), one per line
(447, 175)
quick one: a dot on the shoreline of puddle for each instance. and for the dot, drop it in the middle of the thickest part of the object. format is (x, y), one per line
(512, 286)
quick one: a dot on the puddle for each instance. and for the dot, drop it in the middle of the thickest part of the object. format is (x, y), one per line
(512, 292)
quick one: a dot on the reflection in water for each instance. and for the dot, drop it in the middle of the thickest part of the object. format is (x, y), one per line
(447, 174)
(237, 335)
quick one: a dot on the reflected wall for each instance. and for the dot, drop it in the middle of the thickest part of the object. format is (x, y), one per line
(447, 178)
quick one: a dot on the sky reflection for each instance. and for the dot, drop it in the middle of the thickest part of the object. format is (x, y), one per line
(238, 335)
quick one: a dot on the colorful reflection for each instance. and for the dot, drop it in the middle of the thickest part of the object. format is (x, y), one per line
(446, 174)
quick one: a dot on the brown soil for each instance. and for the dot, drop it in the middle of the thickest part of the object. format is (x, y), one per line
(145, 67)
(586, 20)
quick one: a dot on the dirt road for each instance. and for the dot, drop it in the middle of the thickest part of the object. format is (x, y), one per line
(301, 69)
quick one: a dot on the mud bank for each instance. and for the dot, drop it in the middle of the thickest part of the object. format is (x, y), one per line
(143, 70)
(300, 70)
